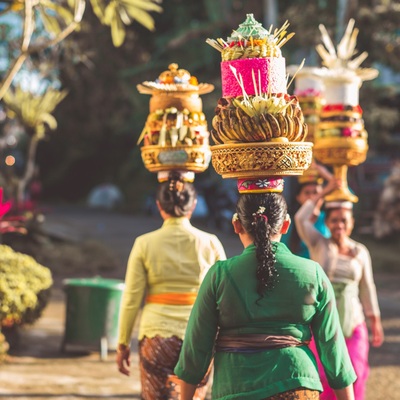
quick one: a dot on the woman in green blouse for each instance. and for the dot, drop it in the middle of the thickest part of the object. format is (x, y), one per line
(254, 315)
(165, 269)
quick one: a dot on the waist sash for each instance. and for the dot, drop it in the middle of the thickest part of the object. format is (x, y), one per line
(251, 343)
(173, 299)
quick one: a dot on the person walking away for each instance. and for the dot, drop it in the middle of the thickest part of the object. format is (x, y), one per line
(165, 267)
(255, 313)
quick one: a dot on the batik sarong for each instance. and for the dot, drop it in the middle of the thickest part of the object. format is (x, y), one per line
(296, 394)
(157, 359)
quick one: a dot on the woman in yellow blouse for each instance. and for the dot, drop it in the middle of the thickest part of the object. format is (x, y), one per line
(166, 266)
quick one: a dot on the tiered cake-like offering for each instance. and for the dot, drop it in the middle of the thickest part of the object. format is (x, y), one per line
(258, 128)
(175, 135)
(309, 89)
(341, 140)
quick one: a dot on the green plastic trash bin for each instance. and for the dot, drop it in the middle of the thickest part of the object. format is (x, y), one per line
(92, 308)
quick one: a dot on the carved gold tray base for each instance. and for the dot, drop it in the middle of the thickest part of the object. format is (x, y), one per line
(261, 159)
(194, 158)
(341, 152)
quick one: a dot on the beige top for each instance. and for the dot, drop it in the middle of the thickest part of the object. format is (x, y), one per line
(172, 259)
(355, 272)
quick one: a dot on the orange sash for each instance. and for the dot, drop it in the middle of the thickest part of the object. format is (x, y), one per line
(173, 299)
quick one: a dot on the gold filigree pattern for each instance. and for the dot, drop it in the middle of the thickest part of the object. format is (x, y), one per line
(194, 158)
(250, 160)
(341, 150)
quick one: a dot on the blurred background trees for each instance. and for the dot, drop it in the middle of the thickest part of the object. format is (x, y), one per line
(103, 114)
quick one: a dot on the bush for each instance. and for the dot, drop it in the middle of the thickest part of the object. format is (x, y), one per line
(24, 287)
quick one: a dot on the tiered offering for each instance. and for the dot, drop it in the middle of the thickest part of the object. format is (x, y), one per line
(175, 135)
(258, 128)
(341, 140)
(309, 89)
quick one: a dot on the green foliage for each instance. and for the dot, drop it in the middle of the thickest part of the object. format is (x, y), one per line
(24, 287)
(33, 110)
(117, 14)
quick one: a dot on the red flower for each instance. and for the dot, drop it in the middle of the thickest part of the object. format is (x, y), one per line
(4, 207)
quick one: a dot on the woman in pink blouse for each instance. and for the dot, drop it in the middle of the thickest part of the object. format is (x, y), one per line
(348, 266)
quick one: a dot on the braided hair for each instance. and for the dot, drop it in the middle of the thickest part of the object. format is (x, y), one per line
(176, 197)
(262, 216)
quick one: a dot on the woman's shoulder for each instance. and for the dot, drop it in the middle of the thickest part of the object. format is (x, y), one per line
(358, 245)
(204, 235)
(294, 262)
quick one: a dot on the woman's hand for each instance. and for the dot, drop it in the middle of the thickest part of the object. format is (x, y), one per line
(333, 184)
(322, 170)
(124, 359)
(377, 331)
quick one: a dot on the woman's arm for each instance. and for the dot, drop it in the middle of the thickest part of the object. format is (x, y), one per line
(135, 286)
(369, 297)
(304, 217)
(187, 391)
(305, 224)
(329, 338)
(377, 331)
(345, 394)
(197, 348)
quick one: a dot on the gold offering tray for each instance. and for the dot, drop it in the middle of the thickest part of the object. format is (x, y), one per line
(261, 159)
(341, 150)
(194, 158)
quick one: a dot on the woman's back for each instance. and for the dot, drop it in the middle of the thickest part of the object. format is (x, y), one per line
(178, 255)
(287, 309)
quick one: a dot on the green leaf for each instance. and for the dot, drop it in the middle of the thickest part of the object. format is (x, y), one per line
(110, 13)
(49, 120)
(142, 17)
(99, 7)
(147, 5)
(117, 30)
(50, 23)
(126, 19)
(64, 13)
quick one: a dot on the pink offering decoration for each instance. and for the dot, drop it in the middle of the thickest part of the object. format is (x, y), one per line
(269, 73)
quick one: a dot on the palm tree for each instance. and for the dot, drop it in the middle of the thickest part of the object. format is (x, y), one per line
(34, 112)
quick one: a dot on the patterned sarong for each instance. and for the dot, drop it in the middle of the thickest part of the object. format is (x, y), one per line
(296, 394)
(157, 359)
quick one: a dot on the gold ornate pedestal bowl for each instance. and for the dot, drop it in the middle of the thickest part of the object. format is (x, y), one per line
(341, 152)
(194, 158)
(261, 159)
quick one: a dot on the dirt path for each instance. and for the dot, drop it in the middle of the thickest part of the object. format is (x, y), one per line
(38, 370)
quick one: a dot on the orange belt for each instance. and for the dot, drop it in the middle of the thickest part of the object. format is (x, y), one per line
(173, 299)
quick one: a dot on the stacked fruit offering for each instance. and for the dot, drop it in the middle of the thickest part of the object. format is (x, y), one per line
(176, 116)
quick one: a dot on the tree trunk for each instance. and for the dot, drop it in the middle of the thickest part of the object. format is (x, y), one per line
(29, 169)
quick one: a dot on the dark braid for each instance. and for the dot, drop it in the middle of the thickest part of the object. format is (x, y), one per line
(262, 216)
(176, 197)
